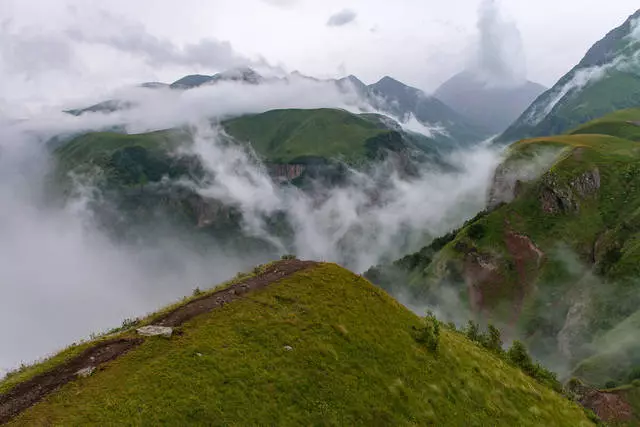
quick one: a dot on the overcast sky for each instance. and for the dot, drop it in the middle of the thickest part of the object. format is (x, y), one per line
(70, 48)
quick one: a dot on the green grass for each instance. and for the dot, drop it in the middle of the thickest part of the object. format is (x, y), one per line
(26, 372)
(91, 146)
(354, 361)
(592, 252)
(282, 136)
(623, 124)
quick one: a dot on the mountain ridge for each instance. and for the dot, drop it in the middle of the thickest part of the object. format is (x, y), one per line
(304, 332)
(606, 79)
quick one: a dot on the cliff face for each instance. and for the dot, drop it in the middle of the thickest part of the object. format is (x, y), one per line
(281, 172)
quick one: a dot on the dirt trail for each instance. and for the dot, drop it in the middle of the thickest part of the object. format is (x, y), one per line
(30, 392)
(208, 302)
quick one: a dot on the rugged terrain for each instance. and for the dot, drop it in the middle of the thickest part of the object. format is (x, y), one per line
(554, 257)
(135, 177)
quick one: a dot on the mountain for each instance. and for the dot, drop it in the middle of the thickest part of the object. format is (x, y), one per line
(292, 343)
(606, 79)
(156, 176)
(432, 116)
(243, 74)
(493, 107)
(410, 106)
(108, 106)
(290, 135)
(554, 258)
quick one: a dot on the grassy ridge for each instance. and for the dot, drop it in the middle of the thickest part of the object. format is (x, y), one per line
(282, 136)
(352, 360)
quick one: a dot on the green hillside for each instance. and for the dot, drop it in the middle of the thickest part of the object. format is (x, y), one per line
(606, 79)
(278, 136)
(284, 135)
(318, 346)
(624, 124)
(290, 136)
(555, 257)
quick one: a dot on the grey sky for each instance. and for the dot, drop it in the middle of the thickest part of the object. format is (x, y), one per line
(75, 48)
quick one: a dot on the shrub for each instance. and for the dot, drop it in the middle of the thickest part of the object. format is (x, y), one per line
(519, 356)
(636, 382)
(429, 334)
(197, 292)
(476, 231)
(610, 384)
(492, 339)
(288, 257)
(634, 374)
(129, 323)
(472, 331)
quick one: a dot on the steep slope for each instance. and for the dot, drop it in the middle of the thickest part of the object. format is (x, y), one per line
(437, 120)
(311, 345)
(606, 79)
(494, 108)
(555, 257)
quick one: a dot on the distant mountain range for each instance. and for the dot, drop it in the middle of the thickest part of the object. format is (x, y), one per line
(408, 105)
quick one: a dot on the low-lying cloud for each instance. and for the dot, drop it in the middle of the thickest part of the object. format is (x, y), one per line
(61, 278)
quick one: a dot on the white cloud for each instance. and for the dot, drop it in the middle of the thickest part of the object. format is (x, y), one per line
(500, 59)
(133, 38)
(56, 267)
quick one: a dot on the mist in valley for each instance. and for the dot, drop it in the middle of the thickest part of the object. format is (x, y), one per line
(63, 277)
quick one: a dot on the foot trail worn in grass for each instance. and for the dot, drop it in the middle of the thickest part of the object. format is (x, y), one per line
(28, 393)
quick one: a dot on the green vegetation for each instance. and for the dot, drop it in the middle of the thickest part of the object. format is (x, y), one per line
(517, 354)
(282, 136)
(320, 347)
(557, 265)
(299, 136)
(623, 124)
(99, 147)
(612, 67)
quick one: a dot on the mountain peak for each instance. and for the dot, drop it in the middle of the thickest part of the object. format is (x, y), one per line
(494, 107)
(389, 82)
(245, 74)
(190, 81)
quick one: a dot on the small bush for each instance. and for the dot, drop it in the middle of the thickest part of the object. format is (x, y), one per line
(473, 331)
(519, 356)
(476, 231)
(636, 382)
(197, 292)
(610, 384)
(429, 334)
(492, 340)
(130, 323)
(288, 257)
(634, 374)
